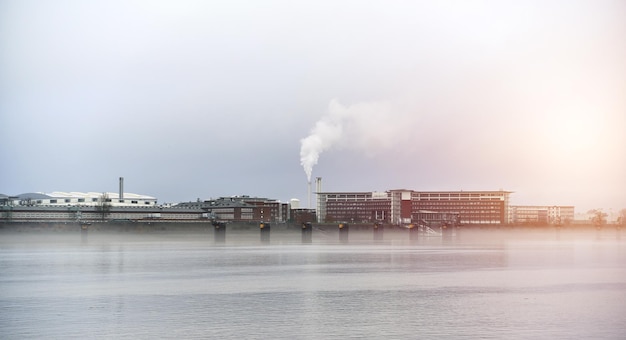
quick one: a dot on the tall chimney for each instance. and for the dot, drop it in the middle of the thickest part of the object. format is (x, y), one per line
(121, 188)
(308, 194)
(318, 189)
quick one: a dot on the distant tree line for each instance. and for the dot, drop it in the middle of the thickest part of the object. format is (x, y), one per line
(103, 206)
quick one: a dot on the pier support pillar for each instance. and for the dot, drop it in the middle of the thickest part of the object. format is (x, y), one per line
(378, 231)
(219, 232)
(84, 230)
(264, 227)
(414, 232)
(446, 231)
(307, 232)
(343, 232)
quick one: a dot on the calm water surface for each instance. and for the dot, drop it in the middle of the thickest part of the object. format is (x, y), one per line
(489, 286)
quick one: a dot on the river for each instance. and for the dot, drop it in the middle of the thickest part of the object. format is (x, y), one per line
(487, 285)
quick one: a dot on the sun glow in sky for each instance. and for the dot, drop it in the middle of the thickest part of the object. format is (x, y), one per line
(200, 99)
(573, 135)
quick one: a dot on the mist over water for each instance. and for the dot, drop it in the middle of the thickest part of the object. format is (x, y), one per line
(477, 284)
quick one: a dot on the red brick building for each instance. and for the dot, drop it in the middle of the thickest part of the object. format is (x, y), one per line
(405, 206)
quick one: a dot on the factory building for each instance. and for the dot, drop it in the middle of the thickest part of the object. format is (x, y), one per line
(51, 213)
(242, 209)
(128, 207)
(353, 207)
(472, 207)
(59, 198)
(406, 206)
(399, 206)
(541, 215)
(82, 199)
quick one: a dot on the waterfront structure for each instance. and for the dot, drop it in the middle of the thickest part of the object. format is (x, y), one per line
(302, 215)
(472, 207)
(59, 198)
(242, 209)
(77, 213)
(396, 207)
(92, 207)
(403, 206)
(353, 207)
(541, 214)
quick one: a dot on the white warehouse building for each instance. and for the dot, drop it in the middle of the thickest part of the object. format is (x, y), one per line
(60, 198)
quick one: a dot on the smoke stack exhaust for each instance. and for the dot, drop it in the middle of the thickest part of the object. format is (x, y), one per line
(121, 188)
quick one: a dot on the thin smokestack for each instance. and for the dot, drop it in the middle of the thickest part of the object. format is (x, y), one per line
(121, 188)
(308, 195)
(318, 189)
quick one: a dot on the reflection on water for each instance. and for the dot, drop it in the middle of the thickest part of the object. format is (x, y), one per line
(497, 285)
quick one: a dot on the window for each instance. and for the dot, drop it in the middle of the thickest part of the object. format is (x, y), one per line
(81, 200)
(133, 202)
(53, 201)
(67, 200)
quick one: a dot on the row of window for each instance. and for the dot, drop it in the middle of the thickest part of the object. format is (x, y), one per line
(93, 214)
(439, 204)
(78, 200)
(41, 215)
(456, 195)
(414, 203)
(362, 196)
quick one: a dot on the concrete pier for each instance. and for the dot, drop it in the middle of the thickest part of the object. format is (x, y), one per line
(343, 232)
(264, 228)
(307, 232)
(413, 232)
(447, 231)
(378, 231)
(219, 232)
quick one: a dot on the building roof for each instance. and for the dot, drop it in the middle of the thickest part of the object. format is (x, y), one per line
(33, 195)
(74, 194)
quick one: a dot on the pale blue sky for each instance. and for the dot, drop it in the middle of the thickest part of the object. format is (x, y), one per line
(199, 99)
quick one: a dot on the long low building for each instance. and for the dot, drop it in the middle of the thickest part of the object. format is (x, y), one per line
(60, 198)
(405, 206)
(408, 206)
(541, 214)
(91, 207)
(77, 213)
(243, 209)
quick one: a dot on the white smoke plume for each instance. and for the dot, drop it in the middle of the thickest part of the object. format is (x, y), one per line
(367, 126)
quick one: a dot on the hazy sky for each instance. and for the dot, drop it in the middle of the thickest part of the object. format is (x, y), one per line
(201, 99)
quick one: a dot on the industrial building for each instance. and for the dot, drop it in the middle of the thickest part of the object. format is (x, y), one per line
(80, 199)
(59, 198)
(541, 215)
(403, 206)
(64, 208)
(242, 209)
(77, 213)
(396, 207)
